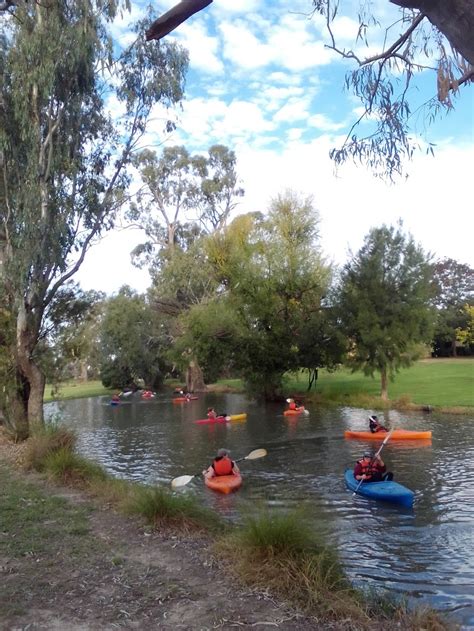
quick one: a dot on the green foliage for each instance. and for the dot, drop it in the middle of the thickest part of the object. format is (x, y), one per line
(454, 284)
(385, 303)
(274, 281)
(132, 342)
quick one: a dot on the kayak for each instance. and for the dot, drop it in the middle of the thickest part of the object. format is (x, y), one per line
(293, 412)
(224, 483)
(222, 419)
(184, 399)
(385, 491)
(397, 434)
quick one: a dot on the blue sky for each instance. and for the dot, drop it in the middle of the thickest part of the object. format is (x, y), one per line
(262, 82)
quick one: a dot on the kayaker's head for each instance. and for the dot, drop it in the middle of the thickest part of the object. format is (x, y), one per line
(221, 453)
(367, 456)
(373, 418)
(289, 400)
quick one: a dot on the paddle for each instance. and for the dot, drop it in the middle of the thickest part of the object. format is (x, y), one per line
(185, 479)
(386, 439)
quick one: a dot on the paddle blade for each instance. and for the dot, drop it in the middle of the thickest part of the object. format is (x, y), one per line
(306, 412)
(256, 453)
(181, 481)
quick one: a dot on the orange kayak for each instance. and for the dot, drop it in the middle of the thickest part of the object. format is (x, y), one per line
(224, 483)
(397, 434)
(293, 412)
(184, 399)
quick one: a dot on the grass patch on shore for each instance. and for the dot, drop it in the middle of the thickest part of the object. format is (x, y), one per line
(282, 553)
(75, 390)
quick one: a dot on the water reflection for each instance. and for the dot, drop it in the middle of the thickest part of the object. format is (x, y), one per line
(427, 552)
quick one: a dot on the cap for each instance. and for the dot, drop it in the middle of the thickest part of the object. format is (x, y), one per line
(222, 452)
(367, 454)
(289, 400)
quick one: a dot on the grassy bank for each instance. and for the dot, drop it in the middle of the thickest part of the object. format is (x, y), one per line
(443, 384)
(55, 552)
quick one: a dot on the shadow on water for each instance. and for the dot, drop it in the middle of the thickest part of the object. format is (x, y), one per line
(427, 552)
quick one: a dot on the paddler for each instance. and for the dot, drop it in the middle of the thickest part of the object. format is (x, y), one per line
(221, 465)
(375, 426)
(371, 469)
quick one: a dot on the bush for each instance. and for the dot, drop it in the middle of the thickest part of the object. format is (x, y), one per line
(66, 466)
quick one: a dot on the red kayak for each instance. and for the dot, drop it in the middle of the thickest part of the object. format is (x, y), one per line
(184, 399)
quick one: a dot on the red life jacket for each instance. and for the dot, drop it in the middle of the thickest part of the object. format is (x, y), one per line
(367, 467)
(292, 405)
(223, 466)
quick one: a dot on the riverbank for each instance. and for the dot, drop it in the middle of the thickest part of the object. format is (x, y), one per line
(441, 385)
(71, 559)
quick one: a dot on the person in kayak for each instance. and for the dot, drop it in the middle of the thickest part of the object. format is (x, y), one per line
(212, 414)
(375, 426)
(221, 465)
(371, 469)
(292, 405)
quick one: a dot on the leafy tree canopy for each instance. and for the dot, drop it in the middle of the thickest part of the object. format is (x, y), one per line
(385, 303)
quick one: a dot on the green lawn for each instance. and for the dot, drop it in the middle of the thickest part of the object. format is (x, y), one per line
(76, 390)
(435, 382)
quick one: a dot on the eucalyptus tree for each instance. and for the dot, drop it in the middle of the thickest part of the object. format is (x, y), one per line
(391, 48)
(183, 198)
(385, 303)
(71, 115)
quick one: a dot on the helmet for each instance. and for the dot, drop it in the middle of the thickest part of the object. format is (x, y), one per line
(222, 452)
(373, 418)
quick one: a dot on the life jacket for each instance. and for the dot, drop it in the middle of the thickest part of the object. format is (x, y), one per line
(367, 467)
(223, 466)
(292, 405)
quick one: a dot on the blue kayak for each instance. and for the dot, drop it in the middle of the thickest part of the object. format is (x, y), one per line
(386, 491)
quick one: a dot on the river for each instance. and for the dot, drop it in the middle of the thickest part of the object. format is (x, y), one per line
(426, 552)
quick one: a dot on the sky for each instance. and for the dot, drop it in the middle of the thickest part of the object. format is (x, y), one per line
(262, 82)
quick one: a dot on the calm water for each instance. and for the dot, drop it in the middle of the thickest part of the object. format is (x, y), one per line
(427, 552)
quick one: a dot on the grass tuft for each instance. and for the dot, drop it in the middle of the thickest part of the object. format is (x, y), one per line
(69, 468)
(45, 441)
(161, 507)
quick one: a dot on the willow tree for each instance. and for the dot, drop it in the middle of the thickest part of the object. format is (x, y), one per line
(71, 115)
(385, 303)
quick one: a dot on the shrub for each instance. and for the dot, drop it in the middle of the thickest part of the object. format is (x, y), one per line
(45, 441)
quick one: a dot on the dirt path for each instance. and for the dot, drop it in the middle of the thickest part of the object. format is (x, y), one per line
(93, 569)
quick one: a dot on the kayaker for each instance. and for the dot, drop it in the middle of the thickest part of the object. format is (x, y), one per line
(375, 426)
(212, 414)
(292, 405)
(221, 465)
(371, 469)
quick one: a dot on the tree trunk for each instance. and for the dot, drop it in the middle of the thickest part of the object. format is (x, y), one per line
(32, 377)
(83, 377)
(194, 378)
(454, 18)
(384, 385)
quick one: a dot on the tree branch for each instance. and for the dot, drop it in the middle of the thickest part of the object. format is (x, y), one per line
(174, 17)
